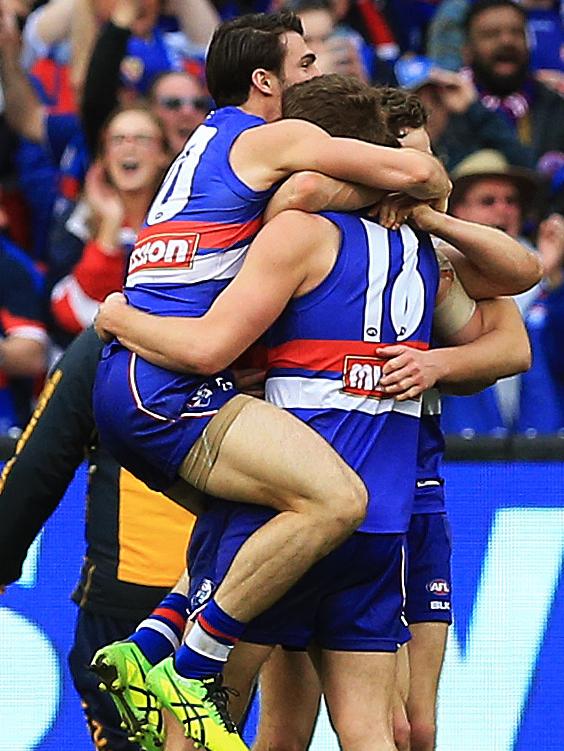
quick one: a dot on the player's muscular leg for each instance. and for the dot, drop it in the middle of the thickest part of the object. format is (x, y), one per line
(401, 693)
(290, 693)
(358, 688)
(426, 653)
(241, 674)
(174, 735)
(268, 457)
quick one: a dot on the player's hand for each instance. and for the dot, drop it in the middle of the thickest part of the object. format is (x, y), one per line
(250, 381)
(408, 372)
(394, 210)
(111, 308)
(2, 589)
(426, 218)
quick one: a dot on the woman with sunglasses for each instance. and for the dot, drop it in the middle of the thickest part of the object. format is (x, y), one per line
(99, 234)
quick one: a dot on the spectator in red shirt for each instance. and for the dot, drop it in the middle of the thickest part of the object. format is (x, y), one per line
(97, 237)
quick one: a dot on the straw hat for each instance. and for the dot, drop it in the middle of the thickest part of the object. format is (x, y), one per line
(491, 163)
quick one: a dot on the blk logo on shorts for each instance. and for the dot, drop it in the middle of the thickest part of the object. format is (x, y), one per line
(439, 605)
(438, 587)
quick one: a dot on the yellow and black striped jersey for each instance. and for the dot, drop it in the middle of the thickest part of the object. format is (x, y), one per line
(135, 538)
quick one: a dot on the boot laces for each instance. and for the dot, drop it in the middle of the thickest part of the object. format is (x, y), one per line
(218, 695)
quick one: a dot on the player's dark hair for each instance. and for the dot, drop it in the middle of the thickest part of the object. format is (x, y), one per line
(240, 46)
(341, 105)
(401, 108)
(482, 5)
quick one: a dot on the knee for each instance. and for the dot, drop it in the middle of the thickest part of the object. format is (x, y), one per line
(349, 505)
(423, 735)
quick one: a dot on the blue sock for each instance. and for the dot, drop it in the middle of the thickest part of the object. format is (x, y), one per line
(160, 634)
(207, 647)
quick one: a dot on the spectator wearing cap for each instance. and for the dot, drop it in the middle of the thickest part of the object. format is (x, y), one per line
(458, 123)
(498, 56)
(488, 190)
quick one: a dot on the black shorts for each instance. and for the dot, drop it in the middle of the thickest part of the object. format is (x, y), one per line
(92, 632)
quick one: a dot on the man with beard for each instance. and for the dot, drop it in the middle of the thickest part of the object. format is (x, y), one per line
(498, 55)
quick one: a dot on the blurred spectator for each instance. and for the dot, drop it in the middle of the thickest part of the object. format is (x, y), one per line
(57, 134)
(46, 36)
(56, 183)
(445, 38)
(368, 28)
(367, 18)
(498, 56)
(542, 388)
(182, 94)
(94, 242)
(490, 191)
(23, 338)
(152, 47)
(179, 101)
(545, 35)
(458, 123)
(409, 20)
(338, 49)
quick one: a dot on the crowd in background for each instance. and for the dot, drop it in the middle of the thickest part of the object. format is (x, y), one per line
(97, 96)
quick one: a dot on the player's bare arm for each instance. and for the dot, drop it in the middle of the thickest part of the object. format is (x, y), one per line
(313, 192)
(494, 338)
(290, 256)
(492, 345)
(488, 261)
(22, 108)
(267, 154)
(502, 350)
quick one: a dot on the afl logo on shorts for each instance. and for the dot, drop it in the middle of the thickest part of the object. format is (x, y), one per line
(438, 587)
